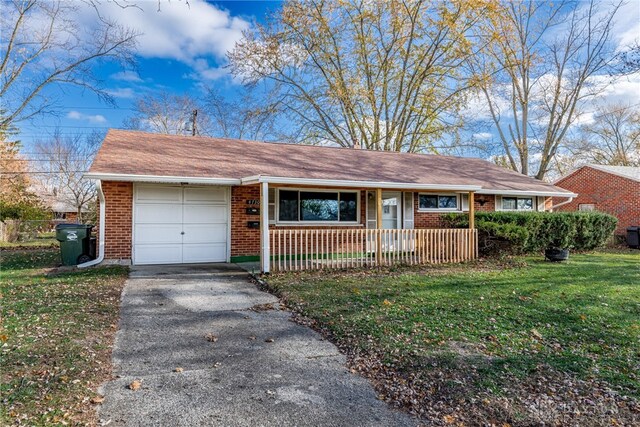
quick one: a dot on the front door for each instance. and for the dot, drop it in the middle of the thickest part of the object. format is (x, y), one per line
(391, 205)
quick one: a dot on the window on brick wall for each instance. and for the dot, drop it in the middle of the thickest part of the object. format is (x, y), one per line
(444, 202)
(317, 206)
(586, 207)
(517, 204)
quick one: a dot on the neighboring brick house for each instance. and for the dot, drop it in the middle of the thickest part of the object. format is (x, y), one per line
(180, 199)
(611, 189)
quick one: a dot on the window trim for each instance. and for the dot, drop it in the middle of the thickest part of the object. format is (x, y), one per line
(534, 204)
(458, 207)
(318, 190)
(592, 205)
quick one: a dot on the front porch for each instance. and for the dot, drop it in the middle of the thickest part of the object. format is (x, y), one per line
(311, 249)
(385, 235)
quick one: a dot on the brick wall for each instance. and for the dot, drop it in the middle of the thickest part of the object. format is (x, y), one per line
(119, 204)
(609, 193)
(244, 240)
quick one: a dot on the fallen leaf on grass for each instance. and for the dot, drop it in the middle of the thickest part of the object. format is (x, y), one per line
(536, 334)
(135, 385)
(98, 399)
(449, 419)
(178, 369)
(386, 302)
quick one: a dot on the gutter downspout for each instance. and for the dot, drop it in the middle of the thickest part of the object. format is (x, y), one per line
(101, 233)
(569, 200)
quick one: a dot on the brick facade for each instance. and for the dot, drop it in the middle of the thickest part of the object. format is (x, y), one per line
(609, 193)
(118, 216)
(245, 241)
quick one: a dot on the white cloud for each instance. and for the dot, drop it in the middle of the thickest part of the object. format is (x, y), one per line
(190, 33)
(626, 29)
(624, 89)
(95, 119)
(121, 92)
(127, 76)
(483, 136)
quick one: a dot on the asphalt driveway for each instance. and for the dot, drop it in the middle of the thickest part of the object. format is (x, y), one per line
(209, 348)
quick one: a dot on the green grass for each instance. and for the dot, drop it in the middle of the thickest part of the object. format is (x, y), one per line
(43, 240)
(580, 318)
(55, 337)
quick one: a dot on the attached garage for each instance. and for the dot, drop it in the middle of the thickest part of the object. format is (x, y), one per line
(174, 224)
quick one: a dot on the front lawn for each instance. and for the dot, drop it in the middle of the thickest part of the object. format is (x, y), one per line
(42, 241)
(533, 343)
(55, 338)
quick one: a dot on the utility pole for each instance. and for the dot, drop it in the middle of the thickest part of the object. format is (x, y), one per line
(193, 122)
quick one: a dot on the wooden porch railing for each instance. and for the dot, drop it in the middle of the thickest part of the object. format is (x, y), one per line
(305, 249)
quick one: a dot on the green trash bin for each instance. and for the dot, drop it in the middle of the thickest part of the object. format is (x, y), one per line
(75, 243)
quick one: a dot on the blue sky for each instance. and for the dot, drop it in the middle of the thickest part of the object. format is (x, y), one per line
(180, 48)
(183, 47)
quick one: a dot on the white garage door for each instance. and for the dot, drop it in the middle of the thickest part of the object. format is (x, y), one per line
(175, 224)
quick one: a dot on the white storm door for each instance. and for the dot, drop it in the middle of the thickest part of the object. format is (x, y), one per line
(391, 203)
(205, 224)
(158, 225)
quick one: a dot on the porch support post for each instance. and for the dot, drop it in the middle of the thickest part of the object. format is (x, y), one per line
(472, 223)
(264, 228)
(472, 210)
(378, 226)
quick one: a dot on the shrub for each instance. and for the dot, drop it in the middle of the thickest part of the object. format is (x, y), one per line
(528, 232)
(22, 220)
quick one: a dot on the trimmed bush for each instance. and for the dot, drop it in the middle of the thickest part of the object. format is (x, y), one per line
(528, 232)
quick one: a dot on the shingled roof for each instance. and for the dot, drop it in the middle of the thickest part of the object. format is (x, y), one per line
(136, 156)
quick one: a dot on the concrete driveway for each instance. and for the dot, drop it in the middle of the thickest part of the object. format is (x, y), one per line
(241, 363)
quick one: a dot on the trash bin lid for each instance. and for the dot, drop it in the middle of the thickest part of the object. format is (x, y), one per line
(67, 225)
(633, 228)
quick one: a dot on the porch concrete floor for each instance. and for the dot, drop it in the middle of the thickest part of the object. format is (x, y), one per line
(204, 320)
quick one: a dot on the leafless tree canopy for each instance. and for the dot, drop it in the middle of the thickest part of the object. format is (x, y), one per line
(613, 138)
(58, 166)
(168, 113)
(245, 118)
(541, 67)
(45, 43)
(384, 75)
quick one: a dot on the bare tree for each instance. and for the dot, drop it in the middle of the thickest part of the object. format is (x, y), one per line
(59, 165)
(545, 61)
(379, 74)
(613, 138)
(217, 115)
(244, 118)
(44, 43)
(168, 113)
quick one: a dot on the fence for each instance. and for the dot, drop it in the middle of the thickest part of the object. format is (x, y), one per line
(304, 249)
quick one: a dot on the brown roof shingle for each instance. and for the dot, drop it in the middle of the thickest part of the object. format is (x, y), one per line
(141, 153)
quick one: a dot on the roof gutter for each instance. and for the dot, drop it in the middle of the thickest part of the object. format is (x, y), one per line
(569, 200)
(359, 184)
(527, 193)
(161, 179)
(101, 233)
